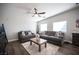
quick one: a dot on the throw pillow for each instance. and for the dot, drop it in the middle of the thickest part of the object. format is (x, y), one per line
(29, 33)
(23, 33)
(60, 34)
(57, 34)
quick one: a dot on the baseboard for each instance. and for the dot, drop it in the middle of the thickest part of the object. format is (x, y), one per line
(68, 41)
(12, 40)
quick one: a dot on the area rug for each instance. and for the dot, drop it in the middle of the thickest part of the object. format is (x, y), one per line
(33, 49)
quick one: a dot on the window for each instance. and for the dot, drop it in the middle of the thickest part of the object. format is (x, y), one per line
(60, 26)
(43, 27)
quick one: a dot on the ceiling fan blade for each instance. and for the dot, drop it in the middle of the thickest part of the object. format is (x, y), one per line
(42, 13)
(35, 10)
(38, 15)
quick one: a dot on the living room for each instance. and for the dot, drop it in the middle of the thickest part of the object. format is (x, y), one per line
(43, 19)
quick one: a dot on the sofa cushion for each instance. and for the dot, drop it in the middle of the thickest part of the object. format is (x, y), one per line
(50, 33)
(53, 37)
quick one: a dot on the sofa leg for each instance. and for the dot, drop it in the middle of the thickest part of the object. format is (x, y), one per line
(62, 44)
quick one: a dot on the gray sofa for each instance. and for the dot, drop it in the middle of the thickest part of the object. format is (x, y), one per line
(51, 36)
(24, 36)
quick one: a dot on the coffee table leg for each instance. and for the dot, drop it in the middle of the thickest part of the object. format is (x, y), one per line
(45, 44)
(39, 48)
(30, 42)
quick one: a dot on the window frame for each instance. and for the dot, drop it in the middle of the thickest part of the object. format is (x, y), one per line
(42, 25)
(59, 26)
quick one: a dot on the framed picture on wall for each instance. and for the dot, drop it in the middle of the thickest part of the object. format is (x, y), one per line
(77, 23)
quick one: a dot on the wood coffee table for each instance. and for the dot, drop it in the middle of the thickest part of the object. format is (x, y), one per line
(38, 42)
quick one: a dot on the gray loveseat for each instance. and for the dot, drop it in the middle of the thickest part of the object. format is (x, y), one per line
(24, 36)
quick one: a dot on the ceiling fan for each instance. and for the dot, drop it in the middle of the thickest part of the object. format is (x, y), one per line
(30, 11)
(37, 13)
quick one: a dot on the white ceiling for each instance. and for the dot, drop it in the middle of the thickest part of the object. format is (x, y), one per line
(51, 9)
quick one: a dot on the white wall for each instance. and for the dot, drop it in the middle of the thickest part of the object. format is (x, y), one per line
(0, 13)
(69, 16)
(15, 20)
